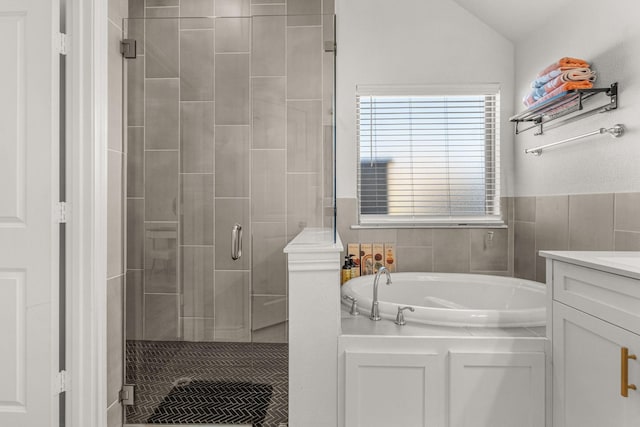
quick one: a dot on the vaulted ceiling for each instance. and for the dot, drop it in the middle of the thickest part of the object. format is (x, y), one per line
(514, 19)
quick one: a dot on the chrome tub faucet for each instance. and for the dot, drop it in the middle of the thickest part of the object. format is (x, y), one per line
(374, 305)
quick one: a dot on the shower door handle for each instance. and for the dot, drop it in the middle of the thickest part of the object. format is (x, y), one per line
(236, 241)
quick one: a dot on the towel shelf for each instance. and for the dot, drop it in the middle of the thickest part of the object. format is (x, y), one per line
(562, 105)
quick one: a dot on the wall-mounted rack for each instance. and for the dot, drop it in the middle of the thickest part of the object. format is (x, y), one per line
(616, 131)
(562, 105)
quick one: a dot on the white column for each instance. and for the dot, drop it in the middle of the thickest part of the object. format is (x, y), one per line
(314, 326)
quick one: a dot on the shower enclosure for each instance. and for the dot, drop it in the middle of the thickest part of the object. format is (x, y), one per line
(229, 127)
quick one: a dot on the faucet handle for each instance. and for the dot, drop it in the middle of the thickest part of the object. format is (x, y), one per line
(400, 316)
(354, 307)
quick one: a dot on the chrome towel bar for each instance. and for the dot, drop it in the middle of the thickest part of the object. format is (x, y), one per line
(616, 131)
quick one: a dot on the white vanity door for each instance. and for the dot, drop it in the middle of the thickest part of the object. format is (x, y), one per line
(497, 389)
(28, 231)
(393, 389)
(587, 371)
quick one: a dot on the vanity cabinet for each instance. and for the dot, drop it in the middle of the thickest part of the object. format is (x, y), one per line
(595, 320)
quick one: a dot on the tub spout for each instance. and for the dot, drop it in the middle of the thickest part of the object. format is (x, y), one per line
(375, 315)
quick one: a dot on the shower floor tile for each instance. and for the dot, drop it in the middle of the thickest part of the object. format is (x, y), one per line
(156, 367)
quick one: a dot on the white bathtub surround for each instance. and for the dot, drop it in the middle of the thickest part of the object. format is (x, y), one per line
(424, 375)
(314, 326)
(446, 299)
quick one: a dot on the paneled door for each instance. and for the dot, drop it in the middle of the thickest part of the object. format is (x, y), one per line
(28, 230)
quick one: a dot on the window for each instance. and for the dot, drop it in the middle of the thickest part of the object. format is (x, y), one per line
(428, 156)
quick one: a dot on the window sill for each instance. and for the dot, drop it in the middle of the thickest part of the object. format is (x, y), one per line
(427, 225)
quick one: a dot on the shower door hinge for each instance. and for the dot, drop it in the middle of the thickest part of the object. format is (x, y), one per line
(330, 46)
(128, 48)
(127, 394)
(61, 382)
(63, 44)
(61, 212)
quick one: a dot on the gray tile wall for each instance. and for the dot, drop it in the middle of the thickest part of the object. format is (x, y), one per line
(117, 185)
(477, 250)
(229, 120)
(583, 222)
(572, 222)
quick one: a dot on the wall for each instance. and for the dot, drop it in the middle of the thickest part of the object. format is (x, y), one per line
(414, 42)
(580, 196)
(420, 42)
(598, 164)
(116, 158)
(225, 125)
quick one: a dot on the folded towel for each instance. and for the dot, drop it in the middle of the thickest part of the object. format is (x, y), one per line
(573, 74)
(576, 75)
(565, 64)
(560, 90)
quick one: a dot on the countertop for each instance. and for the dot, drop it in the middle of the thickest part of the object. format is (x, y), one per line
(616, 262)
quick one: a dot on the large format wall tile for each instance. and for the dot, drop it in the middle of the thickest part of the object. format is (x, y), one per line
(591, 222)
(233, 35)
(268, 46)
(233, 8)
(304, 202)
(197, 281)
(269, 112)
(232, 89)
(418, 258)
(304, 63)
(162, 114)
(552, 228)
(197, 329)
(135, 161)
(161, 317)
(196, 65)
(197, 137)
(228, 213)
(160, 258)
(304, 12)
(135, 234)
(232, 319)
(232, 161)
(524, 250)
(269, 262)
(268, 179)
(161, 186)
(134, 301)
(268, 310)
(135, 91)
(196, 213)
(161, 47)
(627, 209)
(304, 136)
(450, 251)
(489, 249)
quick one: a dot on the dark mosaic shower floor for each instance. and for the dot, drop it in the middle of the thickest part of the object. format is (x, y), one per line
(256, 374)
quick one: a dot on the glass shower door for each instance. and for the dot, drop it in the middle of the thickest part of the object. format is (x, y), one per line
(229, 122)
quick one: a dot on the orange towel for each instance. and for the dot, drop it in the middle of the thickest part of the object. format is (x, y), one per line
(569, 76)
(565, 63)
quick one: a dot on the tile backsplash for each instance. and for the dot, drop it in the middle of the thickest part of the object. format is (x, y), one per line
(609, 221)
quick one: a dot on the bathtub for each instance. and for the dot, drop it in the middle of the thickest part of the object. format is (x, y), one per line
(448, 299)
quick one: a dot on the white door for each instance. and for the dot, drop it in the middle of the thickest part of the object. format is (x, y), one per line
(28, 232)
(587, 372)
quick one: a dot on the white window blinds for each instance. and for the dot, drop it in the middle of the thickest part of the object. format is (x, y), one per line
(428, 155)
